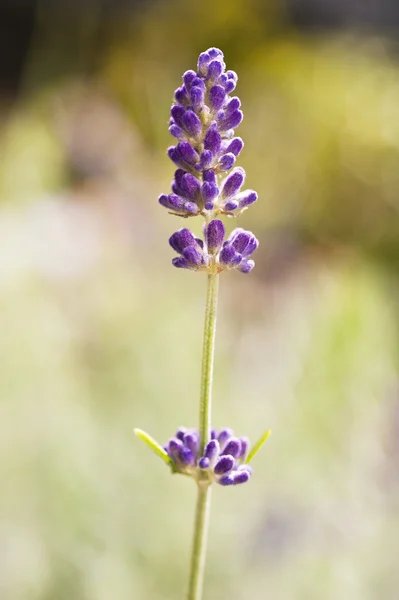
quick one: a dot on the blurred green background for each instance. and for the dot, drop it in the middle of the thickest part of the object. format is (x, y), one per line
(98, 334)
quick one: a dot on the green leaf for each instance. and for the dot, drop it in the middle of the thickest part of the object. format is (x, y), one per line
(154, 446)
(256, 447)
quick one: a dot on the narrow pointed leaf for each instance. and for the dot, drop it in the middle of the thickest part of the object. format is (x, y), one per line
(154, 446)
(256, 447)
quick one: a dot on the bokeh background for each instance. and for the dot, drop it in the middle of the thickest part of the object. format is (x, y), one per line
(98, 334)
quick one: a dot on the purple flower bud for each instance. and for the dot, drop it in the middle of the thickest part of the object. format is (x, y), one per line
(209, 176)
(180, 263)
(215, 52)
(226, 162)
(186, 456)
(233, 182)
(213, 434)
(204, 463)
(233, 447)
(240, 477)
(232, 105)
(226, 480)
(178, 204)
(191, 440)
(246, 266)
(177, 132)
(198, 82)
(212, 449)
(235, 146)
(206, 159)
(217, 97)
(244, 447)
(177, 113)
(209, 205)
(179, 241)
(229, 257)
(181, 96)
(197, 96)
(181, 432)
(212, 140)
(193, 256)
(246, 198)
(224, 436)
(188, 78)
(231, 205)
(187, 152)
(215, 69)
(203, 61)
(190, 186)
(209, 191)
(174, 447)
(244, 242)
(214, 235)
(191, 123)
(231, 120)
(224, 464)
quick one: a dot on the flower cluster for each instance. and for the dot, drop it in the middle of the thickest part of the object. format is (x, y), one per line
(203, 118)
(223, 459)
(214, 253)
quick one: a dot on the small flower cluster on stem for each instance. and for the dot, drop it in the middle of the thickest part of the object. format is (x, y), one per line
(223, 460)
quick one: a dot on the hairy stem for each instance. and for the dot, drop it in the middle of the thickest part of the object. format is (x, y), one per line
(198, 553)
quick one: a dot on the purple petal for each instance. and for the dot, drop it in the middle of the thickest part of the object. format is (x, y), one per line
(232, 105)
(181, 432)
(224, 464)
(203, 61)
(214, 235)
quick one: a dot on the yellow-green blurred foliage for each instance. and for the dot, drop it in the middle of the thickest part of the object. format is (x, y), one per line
(98, 334)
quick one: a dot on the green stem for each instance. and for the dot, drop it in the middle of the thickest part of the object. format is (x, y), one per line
(208, 350)
(198, 553)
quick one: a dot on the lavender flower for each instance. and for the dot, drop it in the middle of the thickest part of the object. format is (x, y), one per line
(222, 462)
(214, 254)
(202, 119)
